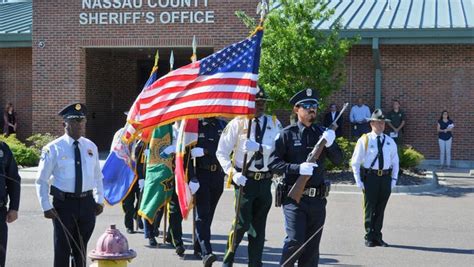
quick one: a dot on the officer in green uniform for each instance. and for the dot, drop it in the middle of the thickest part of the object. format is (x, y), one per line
(256, 182)
(375, 165)
(396, 123)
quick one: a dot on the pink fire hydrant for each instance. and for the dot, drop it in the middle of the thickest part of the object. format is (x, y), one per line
(112, 250)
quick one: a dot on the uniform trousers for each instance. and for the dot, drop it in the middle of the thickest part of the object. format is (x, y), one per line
(3, 235)
(152, 230)
(73, 230)
(175, 229)
(376, 194)
(211, 186)
(129, 207)
(301, 222)
(255, 203)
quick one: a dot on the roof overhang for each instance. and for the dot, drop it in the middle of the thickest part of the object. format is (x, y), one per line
(8, 40)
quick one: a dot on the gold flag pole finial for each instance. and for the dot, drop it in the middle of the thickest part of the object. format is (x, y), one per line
(171, 60)
(194, 56)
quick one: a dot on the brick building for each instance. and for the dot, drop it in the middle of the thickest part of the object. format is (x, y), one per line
(98, 52)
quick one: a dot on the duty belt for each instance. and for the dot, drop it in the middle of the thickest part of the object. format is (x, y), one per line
(55, 192)
(80, 195)
(378, 172)
(258, 175)
(212, 167)
(314, 192)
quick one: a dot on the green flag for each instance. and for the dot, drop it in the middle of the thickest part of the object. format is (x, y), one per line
(159, 181)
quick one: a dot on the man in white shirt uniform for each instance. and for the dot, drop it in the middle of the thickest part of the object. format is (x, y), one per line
(375, 165)
(256, 199)
(358, 117)
(71, 164)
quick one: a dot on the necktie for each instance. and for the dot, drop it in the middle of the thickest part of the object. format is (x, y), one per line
(258, 139)
(78, 167)
(380, 147)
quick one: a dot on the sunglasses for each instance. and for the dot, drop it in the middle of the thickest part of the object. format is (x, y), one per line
(308, 106)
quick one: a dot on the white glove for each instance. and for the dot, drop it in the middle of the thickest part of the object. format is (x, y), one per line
(306, 168)
(239, 179)
(251, 146)
(194, 186)
(169, 149)
(360, 184)
(394, 183)
(197, 152)
(141, 184)
(329, 135)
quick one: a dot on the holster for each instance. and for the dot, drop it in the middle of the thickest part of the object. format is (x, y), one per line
(280, 193)
(326, 188)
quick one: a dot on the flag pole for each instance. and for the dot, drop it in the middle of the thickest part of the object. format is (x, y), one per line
(194, 59)
(262, 8)
(166, 207)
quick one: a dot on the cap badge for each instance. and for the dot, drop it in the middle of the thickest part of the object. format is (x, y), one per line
(309, 92)
(78, 107)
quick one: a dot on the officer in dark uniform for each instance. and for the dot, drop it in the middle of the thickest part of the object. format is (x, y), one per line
(71, 164)
(175, 229)
(207, 184)
(9, 196)
(131, 201)
(292, 147)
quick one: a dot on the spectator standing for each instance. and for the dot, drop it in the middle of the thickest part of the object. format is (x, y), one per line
(331, 116)
(358, 116)
(397, 122)
(445, 138)
(9, 118)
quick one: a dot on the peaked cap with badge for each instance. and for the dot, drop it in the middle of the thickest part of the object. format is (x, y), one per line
(377, 115)
(305, 96)
(74, 111)
(261, 95)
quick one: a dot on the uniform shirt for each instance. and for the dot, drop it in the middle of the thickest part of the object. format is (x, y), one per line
(365, 158)
(293, 147)
(234, 137)
(10, 181)
(57, 164)
(396, 118)
(359, 114)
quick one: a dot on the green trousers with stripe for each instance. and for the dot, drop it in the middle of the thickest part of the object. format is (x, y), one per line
(376, 194)
(255, 203)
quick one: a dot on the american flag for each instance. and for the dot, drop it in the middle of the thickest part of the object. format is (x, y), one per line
(222, 84)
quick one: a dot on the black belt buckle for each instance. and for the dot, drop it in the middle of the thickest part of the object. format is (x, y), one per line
(213, 167)
(379, 172)
(257, 176)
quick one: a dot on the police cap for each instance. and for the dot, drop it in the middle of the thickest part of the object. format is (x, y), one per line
(304, 96)
(73, 111)
(261, 95)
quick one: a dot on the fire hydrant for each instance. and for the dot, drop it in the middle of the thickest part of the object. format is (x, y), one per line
(112, 250)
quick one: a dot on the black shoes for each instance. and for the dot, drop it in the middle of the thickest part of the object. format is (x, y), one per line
(140, 223)
(369, 244)
(152, 242)
(209, 259)
(130, 231)
(381, 243)
(180, 250)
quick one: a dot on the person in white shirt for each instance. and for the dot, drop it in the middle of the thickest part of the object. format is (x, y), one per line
(256, 199)
(358, 117)
(375, 165)
(71, 165)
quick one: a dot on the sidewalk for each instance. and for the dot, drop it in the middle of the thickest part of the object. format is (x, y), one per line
(433, 175)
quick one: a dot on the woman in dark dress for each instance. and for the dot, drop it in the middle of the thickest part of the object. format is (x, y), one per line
(9, 117)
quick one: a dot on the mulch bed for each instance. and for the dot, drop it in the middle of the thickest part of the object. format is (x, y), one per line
(408, 177)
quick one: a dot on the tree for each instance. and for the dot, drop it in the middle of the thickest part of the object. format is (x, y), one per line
(295, 56)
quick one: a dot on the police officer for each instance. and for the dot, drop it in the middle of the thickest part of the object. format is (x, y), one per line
(131, 201)
(375, 165)
(207, 184)
(304, 219)
(71, 164)
(256, 199)
(9, 196)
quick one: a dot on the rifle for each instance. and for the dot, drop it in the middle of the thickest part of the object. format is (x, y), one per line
(296, 191)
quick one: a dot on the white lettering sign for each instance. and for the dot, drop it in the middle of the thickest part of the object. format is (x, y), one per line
(106, 12)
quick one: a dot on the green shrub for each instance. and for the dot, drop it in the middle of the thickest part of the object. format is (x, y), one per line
(409, 157)
(25, 156)
(347, 148)
(38, 141)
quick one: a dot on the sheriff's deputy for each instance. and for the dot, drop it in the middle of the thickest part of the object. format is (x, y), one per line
(375, 166)
(71, 164)
(304, 220)
(256, 199)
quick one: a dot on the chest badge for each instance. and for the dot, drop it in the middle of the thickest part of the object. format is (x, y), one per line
(89, 152)
(201, 135)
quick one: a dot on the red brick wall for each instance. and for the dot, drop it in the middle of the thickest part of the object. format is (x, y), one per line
(15, 86)
(426, 79)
